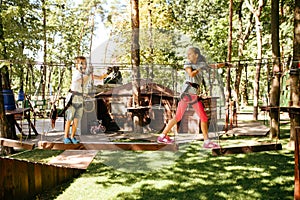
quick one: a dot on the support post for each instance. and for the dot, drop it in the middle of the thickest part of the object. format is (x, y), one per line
(297, 164)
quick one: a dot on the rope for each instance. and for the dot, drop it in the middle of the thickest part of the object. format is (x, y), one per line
(269, 60)
(21, 126)
(93, 107)
(54, 100)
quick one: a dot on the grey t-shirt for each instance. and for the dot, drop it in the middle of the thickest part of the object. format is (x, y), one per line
(201, 77)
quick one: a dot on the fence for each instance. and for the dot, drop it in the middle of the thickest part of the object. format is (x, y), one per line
(23, 179)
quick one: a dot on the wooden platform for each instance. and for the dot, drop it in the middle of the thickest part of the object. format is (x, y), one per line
(108, 146)
(246, 149)
(250, 128)
(79, 159)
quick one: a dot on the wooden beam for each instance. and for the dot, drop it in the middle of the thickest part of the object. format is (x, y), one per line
(130, 146)
(246, 149)
(17, 144)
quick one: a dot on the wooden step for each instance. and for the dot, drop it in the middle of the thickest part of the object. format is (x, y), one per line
(16, 143)
(246, 149)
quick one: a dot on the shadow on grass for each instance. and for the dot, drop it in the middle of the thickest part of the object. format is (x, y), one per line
(252, 176)
(285, 131)
(52, 193)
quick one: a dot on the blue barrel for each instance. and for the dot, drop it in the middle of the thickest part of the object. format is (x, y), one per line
(9, 100)
(21, 95)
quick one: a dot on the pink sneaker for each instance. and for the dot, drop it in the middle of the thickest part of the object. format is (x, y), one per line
(211, 145)
(164, 139)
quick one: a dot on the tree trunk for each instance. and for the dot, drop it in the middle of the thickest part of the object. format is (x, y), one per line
(45, 50)
(294, 72)
(7, 126)
(258, 67)
(257, 13)
(243, 35)
(228, 78)
(275, 89)
(10, 122)
(151, 71)
(135, 61)
(245, 88)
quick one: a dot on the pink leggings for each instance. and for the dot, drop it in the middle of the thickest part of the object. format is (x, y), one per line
(197, 105)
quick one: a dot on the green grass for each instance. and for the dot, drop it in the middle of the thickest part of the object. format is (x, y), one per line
(37, 155)
(191, 173)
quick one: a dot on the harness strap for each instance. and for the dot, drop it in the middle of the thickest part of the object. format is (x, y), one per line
(194, 85)
(190, 98)
(76, 93)
(197, 100)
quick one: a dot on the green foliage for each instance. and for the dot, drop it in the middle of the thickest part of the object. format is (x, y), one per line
(68, 32)
(205, 22)
(175, 25)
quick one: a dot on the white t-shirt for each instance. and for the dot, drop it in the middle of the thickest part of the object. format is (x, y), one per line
(77, 83)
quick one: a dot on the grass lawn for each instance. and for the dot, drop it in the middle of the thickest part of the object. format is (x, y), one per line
(191, 173)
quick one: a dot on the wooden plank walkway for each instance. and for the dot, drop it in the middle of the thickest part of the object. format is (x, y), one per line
(146, 141)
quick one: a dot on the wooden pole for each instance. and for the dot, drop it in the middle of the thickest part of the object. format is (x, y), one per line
(135, 61)
(228, 87)
(275, 88)
(297, 164)
(45, 49)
